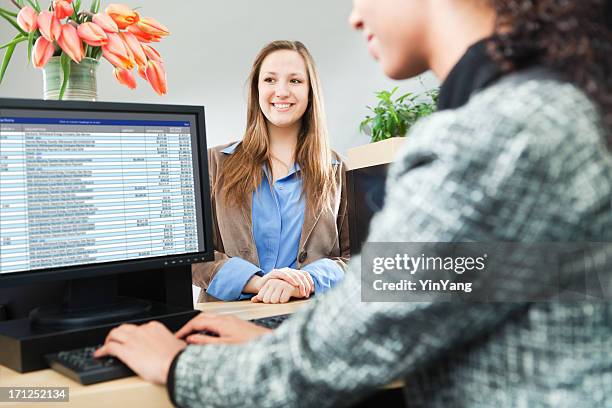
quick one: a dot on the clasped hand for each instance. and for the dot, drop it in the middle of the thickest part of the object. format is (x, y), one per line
(280, 285)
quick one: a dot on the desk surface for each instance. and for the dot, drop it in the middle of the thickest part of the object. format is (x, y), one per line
(130, 391)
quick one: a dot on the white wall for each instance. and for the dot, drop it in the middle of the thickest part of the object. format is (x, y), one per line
(211, 49)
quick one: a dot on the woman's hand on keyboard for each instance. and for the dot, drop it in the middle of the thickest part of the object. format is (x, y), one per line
(147, 349)
(219, 329)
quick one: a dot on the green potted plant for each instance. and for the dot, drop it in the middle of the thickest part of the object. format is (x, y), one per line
(389, 122)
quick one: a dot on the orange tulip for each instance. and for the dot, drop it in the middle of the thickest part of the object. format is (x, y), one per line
(63, 8)
(107, 23)
(134, 46)
(70, 43)
(92, 34)
(156, 75)
(49, 25)
(152, 53)
(117, 53)
(125, 77)
(123, 15)
(27, 19)
(153, 27)
(43, 51)
(142, 36)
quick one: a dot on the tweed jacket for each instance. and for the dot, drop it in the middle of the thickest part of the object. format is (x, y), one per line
(524, 160)
(324, 233)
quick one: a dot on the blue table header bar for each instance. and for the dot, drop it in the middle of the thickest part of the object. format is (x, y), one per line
(94, 122)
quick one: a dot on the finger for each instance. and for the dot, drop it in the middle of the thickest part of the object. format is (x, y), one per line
(203, 321)
(310, 281)
(283, 275)
(111, 348)
(276, 295)
(268, 290)
(300, 282)
(304, 285)
(202, 339)
(121, 334)
(256, 299)
(285, 296)
(101, 352)
(187, 327)
(262, 293)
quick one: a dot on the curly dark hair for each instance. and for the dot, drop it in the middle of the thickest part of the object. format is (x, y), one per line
(571, 37)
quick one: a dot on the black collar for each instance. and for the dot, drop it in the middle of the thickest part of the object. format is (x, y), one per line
(474, 71)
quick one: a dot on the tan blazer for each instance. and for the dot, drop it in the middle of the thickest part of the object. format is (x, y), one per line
(324, 235)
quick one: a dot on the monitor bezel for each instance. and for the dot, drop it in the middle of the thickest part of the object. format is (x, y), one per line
(125, 266)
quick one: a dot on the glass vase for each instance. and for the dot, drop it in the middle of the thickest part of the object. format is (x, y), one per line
(82, 83)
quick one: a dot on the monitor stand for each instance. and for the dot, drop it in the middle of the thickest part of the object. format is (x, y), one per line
(89, 302)
(90, 309)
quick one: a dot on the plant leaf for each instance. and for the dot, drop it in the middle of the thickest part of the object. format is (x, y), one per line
(65, 63)
(76, 6)
(95, 6)
(7, 58)
(34, 5)
(12, 21)
(10, 13)
(31, 45)
(15, 41)
(97, 53)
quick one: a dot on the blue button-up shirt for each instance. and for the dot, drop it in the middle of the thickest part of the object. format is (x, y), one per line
(278, 216)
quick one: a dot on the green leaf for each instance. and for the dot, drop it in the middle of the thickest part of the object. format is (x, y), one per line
(7, 58)
(76, 7)
(15, 41)
(97, 53)
(395, 116)
(10, 13)
(12, 21)
(31, 38)
(65, 63)
(34, 5)
(95, 6)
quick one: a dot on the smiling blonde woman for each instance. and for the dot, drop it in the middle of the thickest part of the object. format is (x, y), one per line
(278, 196)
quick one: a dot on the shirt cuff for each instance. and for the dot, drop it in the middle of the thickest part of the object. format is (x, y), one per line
(230, 280)
(170, 381)
(325, 274)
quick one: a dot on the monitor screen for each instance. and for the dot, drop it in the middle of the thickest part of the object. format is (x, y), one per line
(95, 186)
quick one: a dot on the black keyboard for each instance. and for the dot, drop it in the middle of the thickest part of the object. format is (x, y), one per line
(82, 367)
(271, 322)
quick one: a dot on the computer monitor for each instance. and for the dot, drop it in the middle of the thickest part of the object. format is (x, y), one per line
(366, 197)
(93, 190)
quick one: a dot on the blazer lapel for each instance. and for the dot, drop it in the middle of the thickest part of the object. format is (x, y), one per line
(310, 220)
(311, 217)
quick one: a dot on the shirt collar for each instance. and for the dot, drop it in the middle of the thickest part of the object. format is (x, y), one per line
(232, 148)
(475, 71)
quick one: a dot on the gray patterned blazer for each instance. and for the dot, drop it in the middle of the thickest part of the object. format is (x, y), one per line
(525, 161)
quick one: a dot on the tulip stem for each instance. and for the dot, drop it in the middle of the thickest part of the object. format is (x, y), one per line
(16, 4)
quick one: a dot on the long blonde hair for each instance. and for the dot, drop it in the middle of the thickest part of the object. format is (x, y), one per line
(241, 174)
